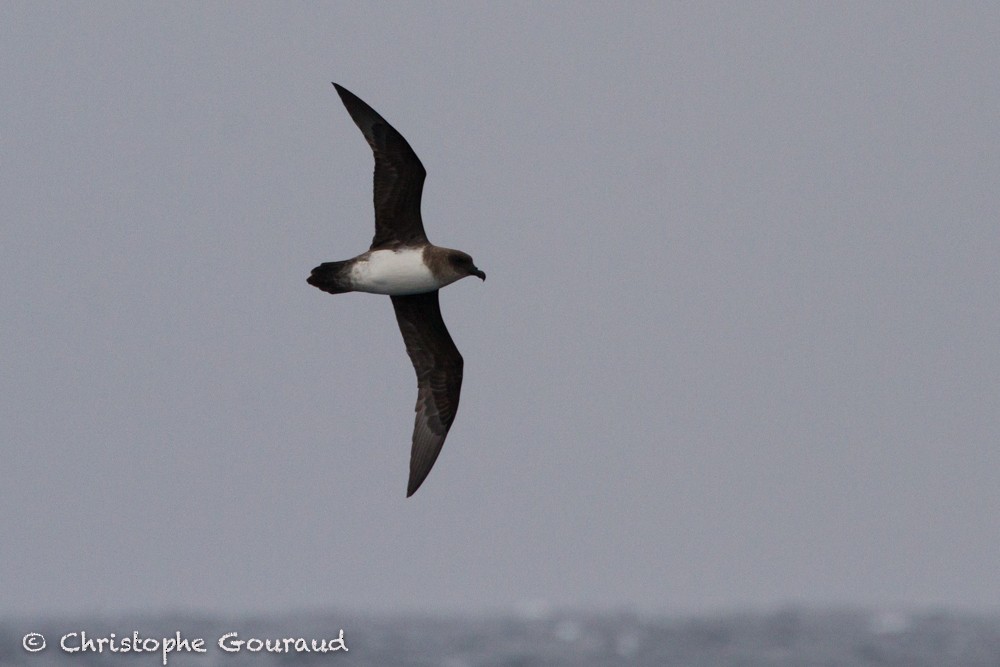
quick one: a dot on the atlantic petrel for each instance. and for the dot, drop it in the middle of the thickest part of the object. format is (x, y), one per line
(403, 264)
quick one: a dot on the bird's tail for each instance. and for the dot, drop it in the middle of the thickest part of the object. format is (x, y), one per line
(332, 277)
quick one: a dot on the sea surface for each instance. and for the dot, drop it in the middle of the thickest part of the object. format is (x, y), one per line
(786, 638)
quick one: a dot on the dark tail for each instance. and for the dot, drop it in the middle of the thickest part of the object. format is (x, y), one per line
(332, 277)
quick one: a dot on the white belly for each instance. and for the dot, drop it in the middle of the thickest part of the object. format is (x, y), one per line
(393, 272)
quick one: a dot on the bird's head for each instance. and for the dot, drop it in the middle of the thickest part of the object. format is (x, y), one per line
(462, 264)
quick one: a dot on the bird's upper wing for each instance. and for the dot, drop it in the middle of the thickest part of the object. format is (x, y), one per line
(399, 177)
(439, 378)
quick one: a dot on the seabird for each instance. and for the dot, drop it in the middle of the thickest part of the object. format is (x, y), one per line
(403, 264)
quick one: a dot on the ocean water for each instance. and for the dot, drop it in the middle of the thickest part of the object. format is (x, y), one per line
(786, 638)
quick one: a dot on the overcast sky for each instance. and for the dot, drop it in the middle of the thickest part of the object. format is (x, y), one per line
(738, 346)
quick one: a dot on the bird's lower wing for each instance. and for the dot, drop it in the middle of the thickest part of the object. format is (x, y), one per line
(439, 378)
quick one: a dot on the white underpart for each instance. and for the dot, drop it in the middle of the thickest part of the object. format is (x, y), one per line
(393, 272)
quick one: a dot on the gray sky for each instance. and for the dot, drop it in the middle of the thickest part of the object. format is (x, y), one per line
(738, 345)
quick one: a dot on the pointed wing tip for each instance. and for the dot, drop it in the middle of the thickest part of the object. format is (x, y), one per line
(420, 472)
(343, 92)
(348, 98)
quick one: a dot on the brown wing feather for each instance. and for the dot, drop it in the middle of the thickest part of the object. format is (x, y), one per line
(399, 177)
(439, 378)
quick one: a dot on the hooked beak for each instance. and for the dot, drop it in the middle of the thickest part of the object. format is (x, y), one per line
(476, 272)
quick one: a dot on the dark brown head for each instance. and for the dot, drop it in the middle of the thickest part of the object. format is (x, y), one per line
(449, 265)
(461, 264)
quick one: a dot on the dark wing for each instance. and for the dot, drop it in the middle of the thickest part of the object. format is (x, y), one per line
(439, 378)
(399, 177)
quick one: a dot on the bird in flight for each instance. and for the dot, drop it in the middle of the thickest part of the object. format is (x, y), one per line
(403, 264)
